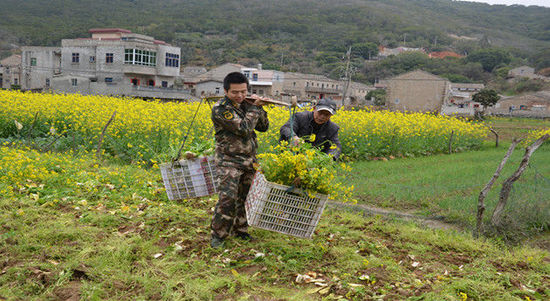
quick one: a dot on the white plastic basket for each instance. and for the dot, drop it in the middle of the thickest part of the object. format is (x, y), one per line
(192, 178)
(274, 207)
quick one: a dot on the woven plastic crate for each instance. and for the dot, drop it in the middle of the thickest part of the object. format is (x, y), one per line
(274, 207)
(189, 178)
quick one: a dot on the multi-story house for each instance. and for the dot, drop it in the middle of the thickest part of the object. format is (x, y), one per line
(112, 61)
(311, 86)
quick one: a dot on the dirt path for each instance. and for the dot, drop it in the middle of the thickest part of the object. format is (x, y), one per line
(430, 222)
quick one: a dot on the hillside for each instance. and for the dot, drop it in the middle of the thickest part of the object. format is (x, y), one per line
(287, 34)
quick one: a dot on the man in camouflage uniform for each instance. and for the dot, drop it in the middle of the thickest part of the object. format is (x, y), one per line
(235, 120)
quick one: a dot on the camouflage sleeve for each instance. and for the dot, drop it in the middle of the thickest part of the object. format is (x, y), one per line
(229, 120)
(263, 121)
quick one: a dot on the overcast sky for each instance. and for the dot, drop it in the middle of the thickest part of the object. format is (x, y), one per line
(510, 2)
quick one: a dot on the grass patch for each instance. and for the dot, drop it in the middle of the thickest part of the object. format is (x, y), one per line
(449, 185)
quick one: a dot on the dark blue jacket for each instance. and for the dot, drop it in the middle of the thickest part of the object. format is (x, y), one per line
(326, 134)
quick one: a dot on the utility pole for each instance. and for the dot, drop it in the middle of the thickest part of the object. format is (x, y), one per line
(347, 76)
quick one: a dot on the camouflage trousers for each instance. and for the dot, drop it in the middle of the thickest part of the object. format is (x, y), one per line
(230, 214)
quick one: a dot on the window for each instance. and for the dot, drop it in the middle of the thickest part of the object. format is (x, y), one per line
(164, 84)
(140, 57)
(76, 57)
(92, 59)
(217, 90)
(109, 58)
(261, 92)
(74, 82)
(108, 79)
(255, 76)
(294, 84)
(151, 83)
(33, 61)
(253, 91)
(47, 82)
(172, 60)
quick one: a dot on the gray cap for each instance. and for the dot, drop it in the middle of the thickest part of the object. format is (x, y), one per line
(326, 104)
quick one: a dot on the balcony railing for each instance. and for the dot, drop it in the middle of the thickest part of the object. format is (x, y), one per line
(160, 89)
(322, 90)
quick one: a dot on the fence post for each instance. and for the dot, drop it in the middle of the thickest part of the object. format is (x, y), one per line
(451, 142)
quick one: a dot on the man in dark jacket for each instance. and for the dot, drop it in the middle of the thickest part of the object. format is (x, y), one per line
(235, 120)
(325, 132)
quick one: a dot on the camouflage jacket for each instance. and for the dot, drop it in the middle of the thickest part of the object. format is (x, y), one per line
(236, 142)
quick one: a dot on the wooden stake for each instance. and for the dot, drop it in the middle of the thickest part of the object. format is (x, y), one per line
(98, 151)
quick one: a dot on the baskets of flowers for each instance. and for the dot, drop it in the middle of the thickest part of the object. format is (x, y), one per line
(191, 177)
(290, 191)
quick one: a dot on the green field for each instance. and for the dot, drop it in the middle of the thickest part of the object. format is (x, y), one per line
(446, 185)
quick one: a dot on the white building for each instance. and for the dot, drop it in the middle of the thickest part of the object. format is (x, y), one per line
(459, 101)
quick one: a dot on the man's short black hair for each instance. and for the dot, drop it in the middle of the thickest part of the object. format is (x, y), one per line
(234, 78)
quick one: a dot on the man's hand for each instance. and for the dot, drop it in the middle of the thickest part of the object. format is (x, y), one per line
(258, 101)
(296, 141)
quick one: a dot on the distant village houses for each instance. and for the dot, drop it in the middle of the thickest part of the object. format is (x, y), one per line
(115, 61)
(274, 83)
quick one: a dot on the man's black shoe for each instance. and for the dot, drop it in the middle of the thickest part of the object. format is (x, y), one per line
(244, 236)
(216, 242)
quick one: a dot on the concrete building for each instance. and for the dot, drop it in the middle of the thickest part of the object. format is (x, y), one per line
(384, 52)
(417, 91)
(39, 66)
(312, 86)
(262, 82)
(357, 93)
(211, 82)
(10, 72)
(112, 61)
(265, 82)
(523, 71)
(460, 101)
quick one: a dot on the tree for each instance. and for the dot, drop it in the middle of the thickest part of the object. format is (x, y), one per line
(490, 58)
(379, 96)
(486, 97)
(365, 50)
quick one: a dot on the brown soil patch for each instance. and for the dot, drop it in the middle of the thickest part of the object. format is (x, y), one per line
(249, 270)
(70, 292)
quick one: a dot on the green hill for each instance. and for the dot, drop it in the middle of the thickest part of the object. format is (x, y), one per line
(299, 35)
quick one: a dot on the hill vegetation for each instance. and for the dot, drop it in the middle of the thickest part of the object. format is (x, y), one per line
(294, 35)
